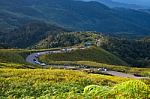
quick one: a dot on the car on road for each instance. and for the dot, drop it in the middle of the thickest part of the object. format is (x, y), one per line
(37, 55)
(137, 75)
(34, 60)
(102, 69)
(42, 64)
(37, 62)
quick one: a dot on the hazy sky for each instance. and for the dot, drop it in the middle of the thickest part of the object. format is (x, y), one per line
(145, 2)
(139, 2)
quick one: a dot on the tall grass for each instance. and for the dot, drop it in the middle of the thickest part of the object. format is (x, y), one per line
(21, 83)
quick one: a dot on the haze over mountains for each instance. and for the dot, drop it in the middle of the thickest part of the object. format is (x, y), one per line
(71, 15)
(138, 2)
(135, 4)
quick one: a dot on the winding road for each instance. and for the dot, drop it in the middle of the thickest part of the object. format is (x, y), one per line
(33, 59)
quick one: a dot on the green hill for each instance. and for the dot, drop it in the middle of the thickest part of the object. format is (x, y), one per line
(92, 54)
(14, 58)
(29, 34)
(134, 52)
(11, 56)
(4, 46)
(66, 39)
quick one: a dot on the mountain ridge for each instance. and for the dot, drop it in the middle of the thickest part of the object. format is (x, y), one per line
(114, 4)
(73, 15)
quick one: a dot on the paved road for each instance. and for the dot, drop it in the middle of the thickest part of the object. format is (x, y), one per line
(33, 59)
(120, 74)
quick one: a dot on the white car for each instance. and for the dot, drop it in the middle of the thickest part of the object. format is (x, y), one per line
(37, 62)
(43, 64)
(102, 69)
(38, 53)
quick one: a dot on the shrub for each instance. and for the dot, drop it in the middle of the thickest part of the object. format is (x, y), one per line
(133, 89)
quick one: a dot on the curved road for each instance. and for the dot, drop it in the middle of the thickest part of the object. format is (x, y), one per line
(33, 59)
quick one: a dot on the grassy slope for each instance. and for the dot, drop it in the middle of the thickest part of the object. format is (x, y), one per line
(96, 57)
(92, 54)
(11, 56)
(14, 58)
(29, 83)
(60, 84)
(36, 83)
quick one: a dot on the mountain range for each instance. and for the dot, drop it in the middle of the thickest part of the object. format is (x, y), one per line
(118, 4)
(71, 15)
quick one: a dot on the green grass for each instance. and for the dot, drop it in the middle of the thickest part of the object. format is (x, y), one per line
(12, 56)
(95, 57)
(92, 54)
(59, 84)
(16, 58)
(125, 69)
(20, 83)
(62, 84)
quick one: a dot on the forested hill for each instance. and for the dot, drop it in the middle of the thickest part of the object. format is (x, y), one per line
(69, 39)
(134, 52)
(29, 34)
(73, 14)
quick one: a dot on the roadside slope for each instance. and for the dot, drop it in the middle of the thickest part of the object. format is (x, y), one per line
(14, 58)
(92, 54)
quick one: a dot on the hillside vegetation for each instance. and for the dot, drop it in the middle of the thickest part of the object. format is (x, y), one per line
(92, 54)
(15, 58)
(11, 56)
(29, 34)
(26, 83)
(67, 39)
(62, 84)
(4, 46)
(134, 52)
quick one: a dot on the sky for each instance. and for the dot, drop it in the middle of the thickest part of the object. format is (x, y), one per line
(138, 2)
